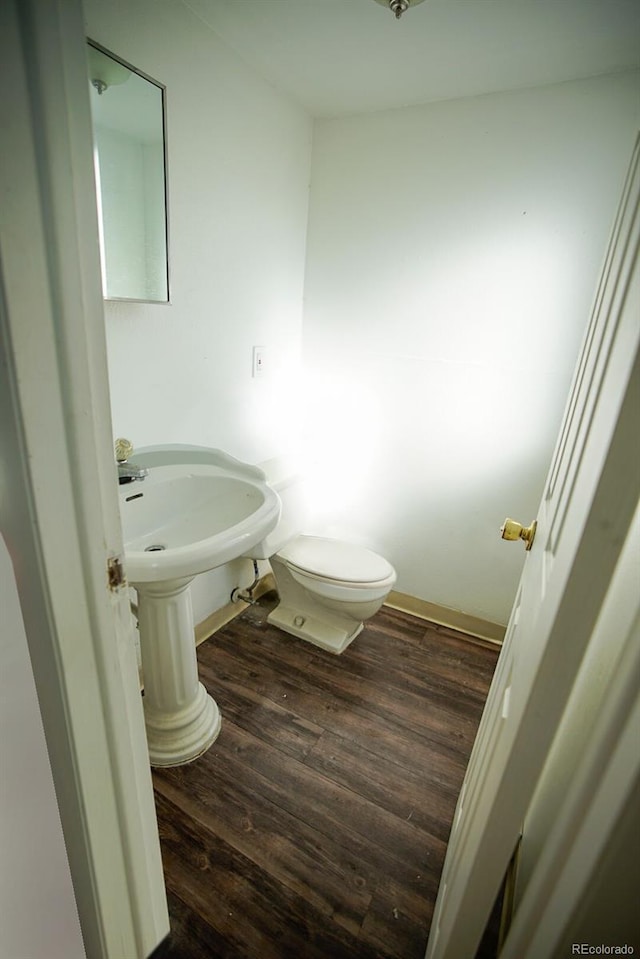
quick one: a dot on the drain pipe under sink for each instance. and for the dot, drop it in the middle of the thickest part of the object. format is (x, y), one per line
(246, 595)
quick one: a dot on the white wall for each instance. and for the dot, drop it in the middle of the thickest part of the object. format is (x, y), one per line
(238, 177)
(452, 257)
(238, 180)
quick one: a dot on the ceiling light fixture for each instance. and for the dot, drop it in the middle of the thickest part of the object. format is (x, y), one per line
(399, 6)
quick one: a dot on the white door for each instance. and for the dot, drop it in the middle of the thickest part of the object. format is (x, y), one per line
(588, 504)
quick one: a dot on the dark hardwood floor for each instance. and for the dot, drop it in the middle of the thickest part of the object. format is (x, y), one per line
(316, 825)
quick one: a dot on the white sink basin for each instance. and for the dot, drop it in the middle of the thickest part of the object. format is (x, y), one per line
(197, 509)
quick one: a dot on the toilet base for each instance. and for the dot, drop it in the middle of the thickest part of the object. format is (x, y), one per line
(332, 636)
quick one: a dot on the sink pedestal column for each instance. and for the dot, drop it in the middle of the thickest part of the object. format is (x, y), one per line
(182, 720)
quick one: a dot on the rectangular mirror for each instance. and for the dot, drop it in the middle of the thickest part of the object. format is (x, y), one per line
(128, 112)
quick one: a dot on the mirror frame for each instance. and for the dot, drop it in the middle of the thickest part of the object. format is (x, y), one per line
(165, 153)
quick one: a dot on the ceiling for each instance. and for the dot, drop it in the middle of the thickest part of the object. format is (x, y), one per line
(340, 57)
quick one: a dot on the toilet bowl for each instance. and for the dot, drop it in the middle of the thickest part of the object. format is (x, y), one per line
(327, 588)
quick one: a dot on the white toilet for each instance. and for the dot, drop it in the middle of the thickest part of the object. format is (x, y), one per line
(326, 587)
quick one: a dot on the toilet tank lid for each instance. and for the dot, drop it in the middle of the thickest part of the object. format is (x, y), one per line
(334, 559)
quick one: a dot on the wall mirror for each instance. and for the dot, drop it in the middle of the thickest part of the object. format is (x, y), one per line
(128, 113)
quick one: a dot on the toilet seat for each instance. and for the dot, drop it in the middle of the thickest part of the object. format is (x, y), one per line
(330, 560)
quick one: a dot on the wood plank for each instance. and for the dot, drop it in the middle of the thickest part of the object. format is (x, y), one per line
(378, 735)
(401, 792)
(455, 662)
(374, 839)
(395, 924)
(269, 720)
(297, 855)
(285, 667)
(237, 907)
(316, 825)
(190, 937)
(432, 658)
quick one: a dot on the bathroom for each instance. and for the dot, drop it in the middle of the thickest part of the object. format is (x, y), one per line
(460, 426)
(435, 281)
(447, 299)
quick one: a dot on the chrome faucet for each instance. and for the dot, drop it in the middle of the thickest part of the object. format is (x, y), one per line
(127, 472)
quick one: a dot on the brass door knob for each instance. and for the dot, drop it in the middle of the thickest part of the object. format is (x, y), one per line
(511, 530)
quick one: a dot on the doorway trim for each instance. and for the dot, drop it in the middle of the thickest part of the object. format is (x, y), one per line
(58, 488)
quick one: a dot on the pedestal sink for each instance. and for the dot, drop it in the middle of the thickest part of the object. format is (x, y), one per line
(197, 509)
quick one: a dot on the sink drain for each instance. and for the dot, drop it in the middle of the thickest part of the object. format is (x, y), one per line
(154, 549)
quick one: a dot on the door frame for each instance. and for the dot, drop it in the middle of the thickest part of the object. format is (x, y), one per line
(58, 488)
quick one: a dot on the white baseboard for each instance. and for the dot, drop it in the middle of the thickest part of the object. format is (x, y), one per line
(444, 616)
(432, 612)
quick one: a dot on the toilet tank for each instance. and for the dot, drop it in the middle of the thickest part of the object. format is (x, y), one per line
(293, 517)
